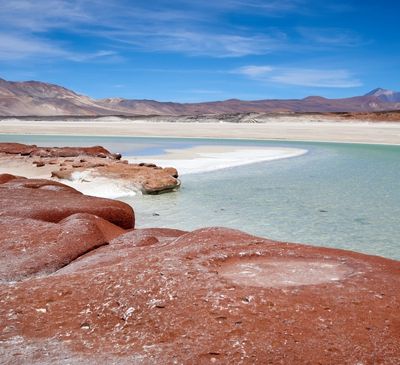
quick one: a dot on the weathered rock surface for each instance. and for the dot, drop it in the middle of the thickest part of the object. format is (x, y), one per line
(30, 247)
(33, 150)
(94, 162)
(206, 297)
(17, 182)
(77, 288)
(52, 202)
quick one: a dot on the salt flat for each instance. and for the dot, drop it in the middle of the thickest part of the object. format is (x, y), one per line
(296, 129)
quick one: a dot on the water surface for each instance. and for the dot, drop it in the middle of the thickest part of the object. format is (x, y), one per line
(337, 195)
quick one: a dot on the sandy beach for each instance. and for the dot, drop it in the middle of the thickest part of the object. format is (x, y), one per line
(286, 129)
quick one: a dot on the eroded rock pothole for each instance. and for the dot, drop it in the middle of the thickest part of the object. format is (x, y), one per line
(283, 272)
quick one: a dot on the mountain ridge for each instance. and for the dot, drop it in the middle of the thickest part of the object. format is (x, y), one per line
(36, 98)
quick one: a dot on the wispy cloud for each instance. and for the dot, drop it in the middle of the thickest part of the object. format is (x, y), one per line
(40, 16)
(18, 47)
(254, 71)
(14, 47)
(317, 78)
(198, 43)
(323, 78)
(330, 36)
(266, 7)
(195, 28)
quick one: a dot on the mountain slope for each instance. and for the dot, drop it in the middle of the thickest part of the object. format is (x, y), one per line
(385, 95)
(39, 98)
(42, 99)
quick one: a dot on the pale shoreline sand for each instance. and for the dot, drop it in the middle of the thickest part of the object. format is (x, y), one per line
(299, 130)
(201, 159)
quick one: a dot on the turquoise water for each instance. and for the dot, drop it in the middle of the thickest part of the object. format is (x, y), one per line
(338, 195)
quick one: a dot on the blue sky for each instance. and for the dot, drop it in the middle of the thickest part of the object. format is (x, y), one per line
(192, 51)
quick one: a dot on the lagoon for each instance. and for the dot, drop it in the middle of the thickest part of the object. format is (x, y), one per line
(338, 195)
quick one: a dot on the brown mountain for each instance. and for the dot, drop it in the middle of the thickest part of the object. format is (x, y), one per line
(35, 98)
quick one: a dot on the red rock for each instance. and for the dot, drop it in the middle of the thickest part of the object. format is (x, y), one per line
(207, 297)
(30, 247)
(172, 171)
(21, 182)
(109, 231)
(51, 201)
(148, 236)
(16, 148)
(7, 177)
(33, 150)
(145, 177)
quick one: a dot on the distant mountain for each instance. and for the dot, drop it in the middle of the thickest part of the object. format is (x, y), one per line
(39, 98)
(42, 99)
(388, 96)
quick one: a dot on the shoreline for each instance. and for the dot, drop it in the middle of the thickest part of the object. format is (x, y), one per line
(301, 131)
(202, 159)
(193, 160)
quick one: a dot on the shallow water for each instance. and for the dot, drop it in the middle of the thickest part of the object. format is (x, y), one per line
(338, 195)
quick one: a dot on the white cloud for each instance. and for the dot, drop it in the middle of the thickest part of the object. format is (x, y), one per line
(324, 78)
(330, 36)
(254, 71)
(16, 47)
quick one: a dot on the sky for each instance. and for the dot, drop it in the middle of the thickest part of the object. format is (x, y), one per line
(203, 50)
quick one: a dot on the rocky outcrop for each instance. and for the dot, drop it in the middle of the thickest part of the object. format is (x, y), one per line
(94, 162)
(52, 202)
(33, 150)
(85, 291)
(31, 247)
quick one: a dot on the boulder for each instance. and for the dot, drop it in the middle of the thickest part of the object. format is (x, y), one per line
(52, 202)
(31, 247)
(17, 182)
(8, 177)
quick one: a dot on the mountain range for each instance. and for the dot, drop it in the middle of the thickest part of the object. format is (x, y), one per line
(34, 98)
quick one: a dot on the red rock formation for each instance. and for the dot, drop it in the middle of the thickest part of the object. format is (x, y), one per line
(52, 202)
(8, 177)
(30, 246)
(98, 162)
(160, 296)
(207, 297)
(148, 236)
(33, 150)
(17, 182)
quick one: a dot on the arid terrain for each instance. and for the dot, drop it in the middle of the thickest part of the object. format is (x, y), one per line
(33, 98)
